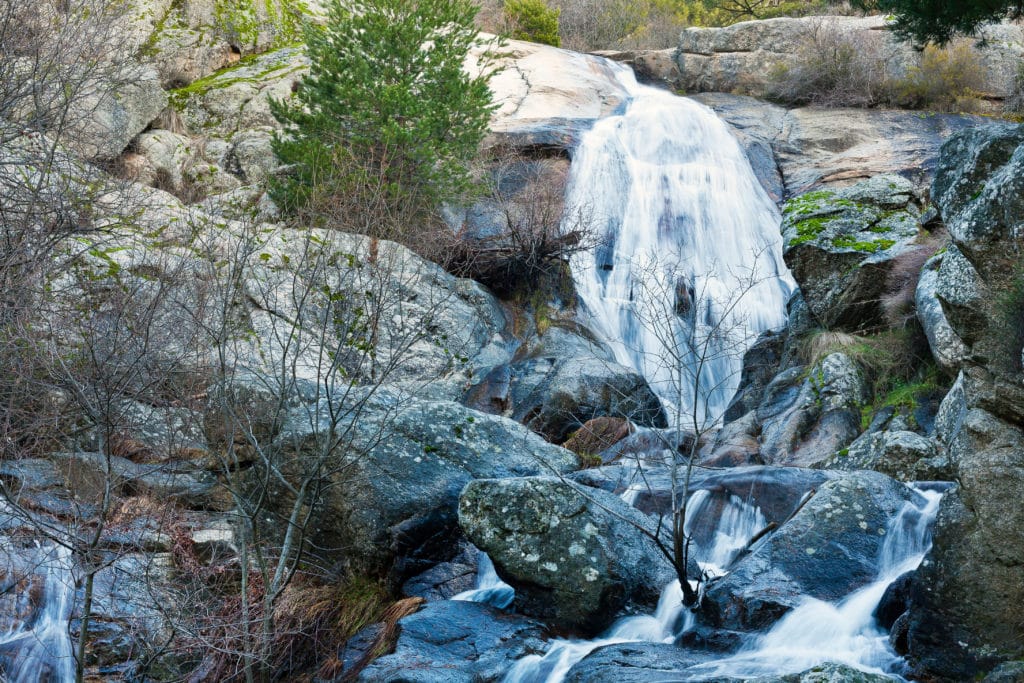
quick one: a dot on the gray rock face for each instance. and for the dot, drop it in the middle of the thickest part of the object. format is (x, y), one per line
(805, 420)
(107, 121)
(461, 642)
(634, 663)
(797, 150)
(575, 556)
(829, 548)
(391, 509)
(977, 554)
(902, 455)
(978, 188)
(841, 247)
(948, 350)
(743, 57)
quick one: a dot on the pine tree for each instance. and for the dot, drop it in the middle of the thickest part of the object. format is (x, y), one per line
(938, 21)
(387, 116)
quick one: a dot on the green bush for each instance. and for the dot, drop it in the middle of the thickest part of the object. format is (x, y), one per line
(533, 20)
(387, 120)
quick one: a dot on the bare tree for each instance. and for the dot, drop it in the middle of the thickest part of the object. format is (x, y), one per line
(315, 338)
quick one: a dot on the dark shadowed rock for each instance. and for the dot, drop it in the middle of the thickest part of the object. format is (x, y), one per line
(461, 642)
(760, 364)
(576, 556)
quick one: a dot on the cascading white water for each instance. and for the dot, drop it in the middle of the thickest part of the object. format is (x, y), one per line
(733, 530)
(736, 525)
(690, 249)
(41, 648)
(490, 589)
(845, 632)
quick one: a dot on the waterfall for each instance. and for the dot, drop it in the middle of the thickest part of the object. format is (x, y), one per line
(688, 269)
(40, 646)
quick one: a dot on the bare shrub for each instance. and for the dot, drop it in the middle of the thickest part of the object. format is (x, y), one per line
(528, 233)
(832, 68)
(948, 78)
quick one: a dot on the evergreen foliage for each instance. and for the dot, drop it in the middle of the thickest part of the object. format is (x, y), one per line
(938, 21)
(387, 117)
(533, 20)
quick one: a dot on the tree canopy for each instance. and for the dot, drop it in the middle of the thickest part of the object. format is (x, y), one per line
(937, 21)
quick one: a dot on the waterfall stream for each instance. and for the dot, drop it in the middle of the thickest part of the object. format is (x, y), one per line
(687, 274)
(39, 645)
(688, 269)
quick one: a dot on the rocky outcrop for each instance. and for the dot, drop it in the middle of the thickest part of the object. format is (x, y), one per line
(903, 455)
(806, 417)
(796, 150)
(746, 57)
(841, 247)
(560, 380)
(462, 642)
(948, 350)
(967, 615)
(398, 471)
(634, 663)
(575, 556)
(829, 548)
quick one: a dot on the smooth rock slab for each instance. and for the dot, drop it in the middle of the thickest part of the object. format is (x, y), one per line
(457, 642)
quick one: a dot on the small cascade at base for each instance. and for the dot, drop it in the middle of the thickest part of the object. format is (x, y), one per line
(489, 590)
(39, 647)
(844, 632)
(733, 530)
(689, 264)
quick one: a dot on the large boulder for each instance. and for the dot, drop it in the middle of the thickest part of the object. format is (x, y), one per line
(576, 556)
(459, 642)
(841, 246)
(634, 663)
(901, 454)
(399, 467)
(828, 549)
(806, 417)
(968, 614)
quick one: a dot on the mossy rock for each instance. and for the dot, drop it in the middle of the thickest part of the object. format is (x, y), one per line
(842, 244)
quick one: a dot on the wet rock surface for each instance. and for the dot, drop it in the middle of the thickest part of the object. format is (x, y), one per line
(829, 548)
(457, 641)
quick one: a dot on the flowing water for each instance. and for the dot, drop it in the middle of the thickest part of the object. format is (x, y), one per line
(734, 528)
(39, 648)
(689, 269)
(844, 632)
(688, 273)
